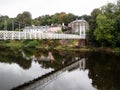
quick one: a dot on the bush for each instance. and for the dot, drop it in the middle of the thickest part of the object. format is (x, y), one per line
(117, 51)
(32, 43)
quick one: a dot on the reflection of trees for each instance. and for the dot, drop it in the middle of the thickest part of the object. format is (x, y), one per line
(81, 54)
(8, 55)
(52, 64)
(29, 51)
(60, 57)
(104, 69)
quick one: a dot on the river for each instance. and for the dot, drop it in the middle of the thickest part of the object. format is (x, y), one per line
(101, 70)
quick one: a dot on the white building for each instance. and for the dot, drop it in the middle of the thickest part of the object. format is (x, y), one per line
(36, 29)
(79, 26)
(54, 29)
(42, 29)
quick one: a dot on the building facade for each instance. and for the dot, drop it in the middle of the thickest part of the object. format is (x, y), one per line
(36, 29)
(42, 29)
(80, 27)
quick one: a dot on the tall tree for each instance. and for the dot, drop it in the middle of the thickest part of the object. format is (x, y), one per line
(86, 17)
(109, 10)
(104, 31)
(25, 18)
(92, 26)
(3, 22)
(45, 20)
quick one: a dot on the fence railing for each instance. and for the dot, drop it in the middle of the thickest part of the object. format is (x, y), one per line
(5, 35)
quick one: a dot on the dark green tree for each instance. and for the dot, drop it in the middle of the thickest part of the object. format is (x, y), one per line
(104, 31)
(92, 26)
(25, 18)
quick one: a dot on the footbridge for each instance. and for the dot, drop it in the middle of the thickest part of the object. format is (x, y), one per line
(41, 82)
(14, 35)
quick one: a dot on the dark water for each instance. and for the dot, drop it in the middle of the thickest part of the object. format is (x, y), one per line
(101, 71)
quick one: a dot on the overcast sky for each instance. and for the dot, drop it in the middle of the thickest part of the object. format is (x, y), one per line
(42, 7)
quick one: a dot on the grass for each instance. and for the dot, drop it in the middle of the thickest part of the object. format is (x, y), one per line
(14, 44)
(71, 46)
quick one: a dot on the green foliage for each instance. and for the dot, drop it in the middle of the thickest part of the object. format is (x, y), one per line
(3, 21)
(118, 4)
(32, 43)
(105, 26)
(92, 26)
(86, 17)
(45, 20)
(117, 50)
(57, 18)
(25, 18)
(109, 10)
(105, 30)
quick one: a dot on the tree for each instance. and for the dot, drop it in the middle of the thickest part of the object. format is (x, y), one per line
(118, 4)
(45, 20)
(35, 22)
(108, 30)
(92, 26)
(25, 18)
(62, 18)
(3, 22)
(71, 17)
(86, 17)
(109, 10)
(104, 31)
(54, 18)
(117, 31)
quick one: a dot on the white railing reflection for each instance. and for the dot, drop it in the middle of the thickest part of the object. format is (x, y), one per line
(51, 77)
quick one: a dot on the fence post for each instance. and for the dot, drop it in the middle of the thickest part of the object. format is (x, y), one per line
(12, 35)
(19, 35)
(35, 35)
(4, 36)
(25, 34)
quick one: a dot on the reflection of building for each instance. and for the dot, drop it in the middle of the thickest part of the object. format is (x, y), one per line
(50, 57)
(80, 27)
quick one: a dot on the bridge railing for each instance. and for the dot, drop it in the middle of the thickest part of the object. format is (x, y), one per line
(5, 35)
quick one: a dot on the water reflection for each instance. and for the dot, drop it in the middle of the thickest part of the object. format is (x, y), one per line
(39, 57)
(45, 80)
(73, 77)
(74, 80)
(51, 59)
(104, 70)
(30, 62)
(12, 75)
(100, 70)
(9, 56)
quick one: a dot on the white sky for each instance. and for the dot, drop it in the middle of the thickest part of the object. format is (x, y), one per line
(41, 7)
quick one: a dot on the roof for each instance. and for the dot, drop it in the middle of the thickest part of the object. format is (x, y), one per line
(37, 27)
(81, 20)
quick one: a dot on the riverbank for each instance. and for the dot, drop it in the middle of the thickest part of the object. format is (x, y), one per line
(72, 47)
(95, 49)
